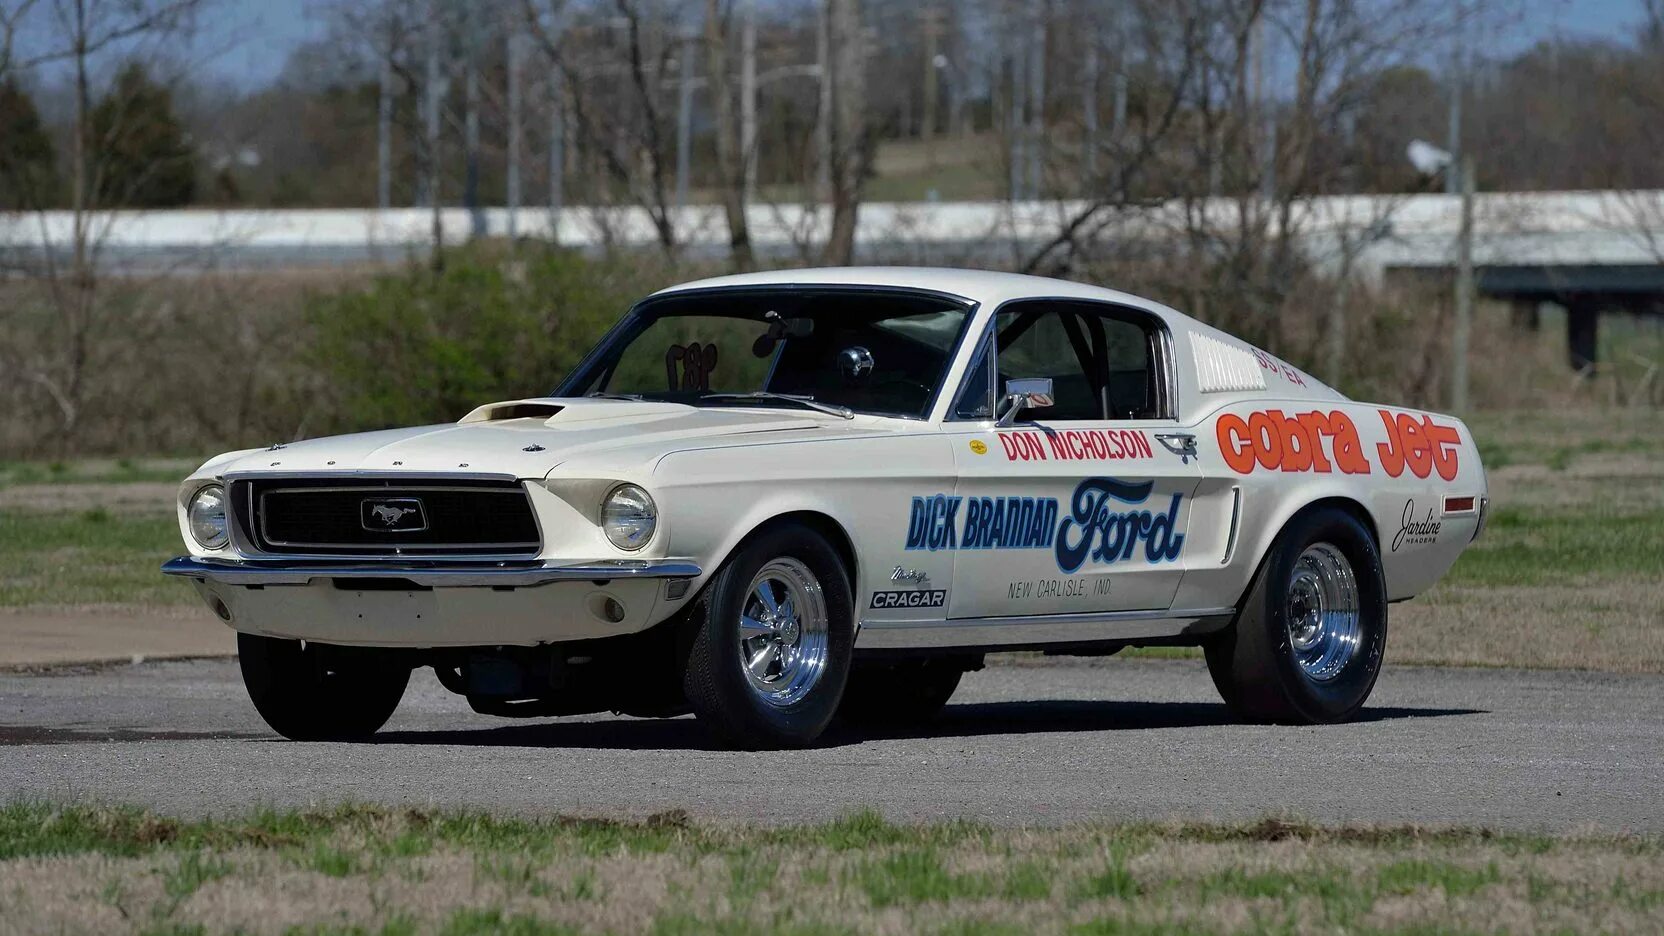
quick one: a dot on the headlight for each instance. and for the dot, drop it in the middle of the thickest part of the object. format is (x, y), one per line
(206, 517)
(628, 515)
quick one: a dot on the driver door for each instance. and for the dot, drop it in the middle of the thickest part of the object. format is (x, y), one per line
(1076, 507)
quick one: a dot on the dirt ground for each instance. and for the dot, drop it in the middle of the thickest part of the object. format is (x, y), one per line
(32, 637)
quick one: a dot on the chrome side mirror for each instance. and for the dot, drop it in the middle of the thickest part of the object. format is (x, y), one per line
(1025, 393)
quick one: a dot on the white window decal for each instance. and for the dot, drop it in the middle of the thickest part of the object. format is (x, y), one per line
(1222, 367)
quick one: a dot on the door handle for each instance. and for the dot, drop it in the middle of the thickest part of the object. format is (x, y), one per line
(1182, 444)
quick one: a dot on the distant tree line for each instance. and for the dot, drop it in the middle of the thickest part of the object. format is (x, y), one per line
(1561, 115)
(146, 157)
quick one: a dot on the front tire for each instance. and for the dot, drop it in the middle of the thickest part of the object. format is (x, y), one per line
(1307, 644)
(772, 639)
(316, 692)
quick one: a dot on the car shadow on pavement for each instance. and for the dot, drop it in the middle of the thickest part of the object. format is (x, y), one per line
(977, 719)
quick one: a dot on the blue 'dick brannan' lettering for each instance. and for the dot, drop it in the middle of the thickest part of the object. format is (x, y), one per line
(931, 524)
(1009, 522)
(1097, 528)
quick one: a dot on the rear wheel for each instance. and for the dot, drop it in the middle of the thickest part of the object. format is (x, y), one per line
(317, 692)
(1307, 645)
(772, 635)
(899, 693)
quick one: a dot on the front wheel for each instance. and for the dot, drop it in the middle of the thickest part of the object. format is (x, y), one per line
(1308, 642)
(318, 692)
(772, 638)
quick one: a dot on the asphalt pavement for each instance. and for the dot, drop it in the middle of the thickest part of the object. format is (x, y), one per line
(1022, 743)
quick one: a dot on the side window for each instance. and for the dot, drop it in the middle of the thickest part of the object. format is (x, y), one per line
(1101, 363)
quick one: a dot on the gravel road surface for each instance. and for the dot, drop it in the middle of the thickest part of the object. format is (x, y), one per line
(1023, 743)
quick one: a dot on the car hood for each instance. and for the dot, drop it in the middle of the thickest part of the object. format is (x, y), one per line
(529, 438)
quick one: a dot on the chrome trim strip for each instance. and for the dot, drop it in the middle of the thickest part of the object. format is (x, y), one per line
(1038, 629)
(1236, 520)
(426, 574)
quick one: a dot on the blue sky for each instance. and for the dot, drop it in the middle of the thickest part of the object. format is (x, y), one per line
(246, 42)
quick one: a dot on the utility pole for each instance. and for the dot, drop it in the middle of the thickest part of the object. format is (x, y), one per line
(1017, 125)
(1464, 294)
(1458, 89)
(931, 23)
(471, 121)
(384, 124)
(555, 90)
(514, 144)
(1264, 111)
(684, 122)
(557, 153)
(823, 123)
(435, 93)
(748, 97)
(427, 188)
(1089, 116)
(1037, 103)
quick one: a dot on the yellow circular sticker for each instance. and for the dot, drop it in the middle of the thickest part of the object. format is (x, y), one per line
(979, 447)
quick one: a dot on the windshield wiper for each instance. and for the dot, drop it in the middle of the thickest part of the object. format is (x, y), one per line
(800, 399)
(603, 395)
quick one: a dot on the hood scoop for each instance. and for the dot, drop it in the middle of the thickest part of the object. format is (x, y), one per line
(522, 409)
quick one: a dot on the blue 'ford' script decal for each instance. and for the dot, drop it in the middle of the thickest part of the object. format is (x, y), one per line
(1093, 529)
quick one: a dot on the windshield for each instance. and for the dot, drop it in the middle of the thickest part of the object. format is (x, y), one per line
(882, 353)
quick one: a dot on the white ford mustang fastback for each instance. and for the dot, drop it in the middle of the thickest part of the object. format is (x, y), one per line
(777, 497)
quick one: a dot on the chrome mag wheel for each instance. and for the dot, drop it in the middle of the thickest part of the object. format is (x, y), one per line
(784, 632)
(1324, 621)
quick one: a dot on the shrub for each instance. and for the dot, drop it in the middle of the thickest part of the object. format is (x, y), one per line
(421, 346)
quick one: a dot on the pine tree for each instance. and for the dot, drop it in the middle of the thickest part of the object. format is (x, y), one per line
(28, 165)
(142, 156)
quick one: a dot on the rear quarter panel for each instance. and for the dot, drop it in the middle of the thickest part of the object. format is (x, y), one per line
(1273, 457)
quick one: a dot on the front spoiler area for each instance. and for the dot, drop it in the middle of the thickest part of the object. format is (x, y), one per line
(436, 574)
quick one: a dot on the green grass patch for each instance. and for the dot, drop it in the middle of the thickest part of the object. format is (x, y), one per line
(97, 471)
(1555, 546)
(667, 875)
(88, 557)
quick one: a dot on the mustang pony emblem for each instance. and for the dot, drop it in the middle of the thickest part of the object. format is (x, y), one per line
(393, 515)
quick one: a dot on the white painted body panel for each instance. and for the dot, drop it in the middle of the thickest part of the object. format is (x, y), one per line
(717, 475)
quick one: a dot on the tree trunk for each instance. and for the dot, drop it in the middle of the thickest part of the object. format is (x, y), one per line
(730, 163)
(849, 125)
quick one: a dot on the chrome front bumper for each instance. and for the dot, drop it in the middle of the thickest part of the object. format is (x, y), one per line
(426, 574)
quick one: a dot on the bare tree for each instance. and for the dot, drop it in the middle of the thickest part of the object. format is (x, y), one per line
(624, 128)
(850, 146)
(81, 32)
(732, 161)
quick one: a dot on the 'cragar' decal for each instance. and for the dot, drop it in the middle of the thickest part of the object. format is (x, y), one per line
(932, 598)
(1093, 528)
(1075, 445)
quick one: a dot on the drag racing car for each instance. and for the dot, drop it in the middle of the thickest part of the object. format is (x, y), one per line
(779, 498)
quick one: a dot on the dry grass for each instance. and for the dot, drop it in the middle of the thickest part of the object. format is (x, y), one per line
(1570, 573)
(366, 870)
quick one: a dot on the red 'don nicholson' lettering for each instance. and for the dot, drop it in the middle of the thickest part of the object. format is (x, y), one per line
(1272, 441)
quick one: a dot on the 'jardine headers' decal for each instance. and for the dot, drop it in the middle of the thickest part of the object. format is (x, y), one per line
(1103, 524)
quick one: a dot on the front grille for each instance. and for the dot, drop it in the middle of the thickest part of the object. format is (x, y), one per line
(394, 517)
